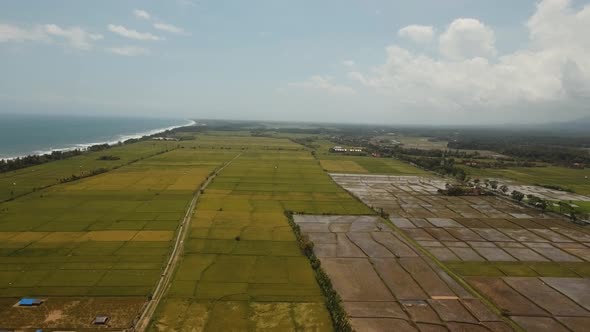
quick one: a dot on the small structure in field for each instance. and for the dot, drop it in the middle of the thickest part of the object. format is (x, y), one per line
(29, 302)
(338, 149)
(341, 149)
(100, 320)
(160, 138)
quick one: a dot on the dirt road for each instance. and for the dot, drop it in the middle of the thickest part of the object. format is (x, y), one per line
(164, 282)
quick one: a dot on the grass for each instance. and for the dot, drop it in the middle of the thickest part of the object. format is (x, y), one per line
(582, 206)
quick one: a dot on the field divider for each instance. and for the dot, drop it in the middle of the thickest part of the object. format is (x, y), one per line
(149, 309)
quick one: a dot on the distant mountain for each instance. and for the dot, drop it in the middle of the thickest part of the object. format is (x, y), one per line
(578, 126)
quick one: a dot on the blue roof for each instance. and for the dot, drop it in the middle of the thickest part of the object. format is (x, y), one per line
(27, 301)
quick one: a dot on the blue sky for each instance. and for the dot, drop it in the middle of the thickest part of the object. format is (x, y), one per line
(456, 61)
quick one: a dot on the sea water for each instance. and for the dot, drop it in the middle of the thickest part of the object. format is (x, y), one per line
(25, 134)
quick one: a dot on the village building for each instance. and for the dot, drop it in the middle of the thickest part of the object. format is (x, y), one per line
(29, 302)
(341, 149)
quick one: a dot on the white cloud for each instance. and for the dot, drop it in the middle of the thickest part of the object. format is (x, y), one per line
(142, 14)
(75, 37)
(169, 28)
(13, 33)
(129, 51)
(323, 83)
(417, 33)
(348, 63)
(132, 34)
(550, 73)
(467, 38)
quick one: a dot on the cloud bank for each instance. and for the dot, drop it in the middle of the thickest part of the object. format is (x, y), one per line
(469, 75)
(74, 37)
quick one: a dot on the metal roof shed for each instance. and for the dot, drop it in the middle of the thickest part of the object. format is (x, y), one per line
(28, 302)
(100, 320)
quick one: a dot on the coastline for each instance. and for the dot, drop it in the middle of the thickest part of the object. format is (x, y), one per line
(114, 140)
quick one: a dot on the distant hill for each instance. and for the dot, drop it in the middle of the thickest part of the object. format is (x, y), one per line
(579, 126)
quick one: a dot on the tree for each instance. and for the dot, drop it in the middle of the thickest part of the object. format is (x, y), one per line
(564, 207)
(504, 188)
(542, 204)
(517, 195)
(494, 184)
(537, 202)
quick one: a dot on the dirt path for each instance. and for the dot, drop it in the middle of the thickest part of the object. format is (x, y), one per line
(164, 282)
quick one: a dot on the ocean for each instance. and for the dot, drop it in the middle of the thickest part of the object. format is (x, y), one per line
(25, 134)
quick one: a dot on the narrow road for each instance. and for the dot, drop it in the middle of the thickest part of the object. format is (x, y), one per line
(164, 282)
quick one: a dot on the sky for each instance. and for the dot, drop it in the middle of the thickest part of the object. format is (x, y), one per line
(354, 61)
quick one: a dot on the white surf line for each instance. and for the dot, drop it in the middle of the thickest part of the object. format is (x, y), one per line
(144, 319)
(112, 142)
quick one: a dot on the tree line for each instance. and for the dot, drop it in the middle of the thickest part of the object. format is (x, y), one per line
(7, 165)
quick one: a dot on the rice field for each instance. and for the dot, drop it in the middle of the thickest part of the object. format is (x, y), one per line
(102, 241)
(341, 163)
(577, 180)
(26, 180)
(368, 165)
(242, 267)
(105, 235)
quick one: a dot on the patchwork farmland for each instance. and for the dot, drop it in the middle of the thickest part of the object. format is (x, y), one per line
(532, 267)
(242, 268)
(100, 245)
(103, 238)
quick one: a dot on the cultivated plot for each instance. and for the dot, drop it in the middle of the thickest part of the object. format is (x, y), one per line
(242, 268)
(68, 313)
(26, 180)
(577, 180)
(350, 164)
(385, 284)
(504, 250)
(106, 235)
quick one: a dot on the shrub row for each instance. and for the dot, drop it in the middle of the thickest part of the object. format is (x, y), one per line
(333, 301)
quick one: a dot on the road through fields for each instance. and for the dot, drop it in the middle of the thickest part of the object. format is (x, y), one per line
(146, 316)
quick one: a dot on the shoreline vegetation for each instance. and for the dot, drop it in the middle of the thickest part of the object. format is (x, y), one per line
(20, 162)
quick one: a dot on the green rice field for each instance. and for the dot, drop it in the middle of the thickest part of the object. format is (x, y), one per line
(26, 180)
(107, 234)
(577, 180)
(242, 267)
